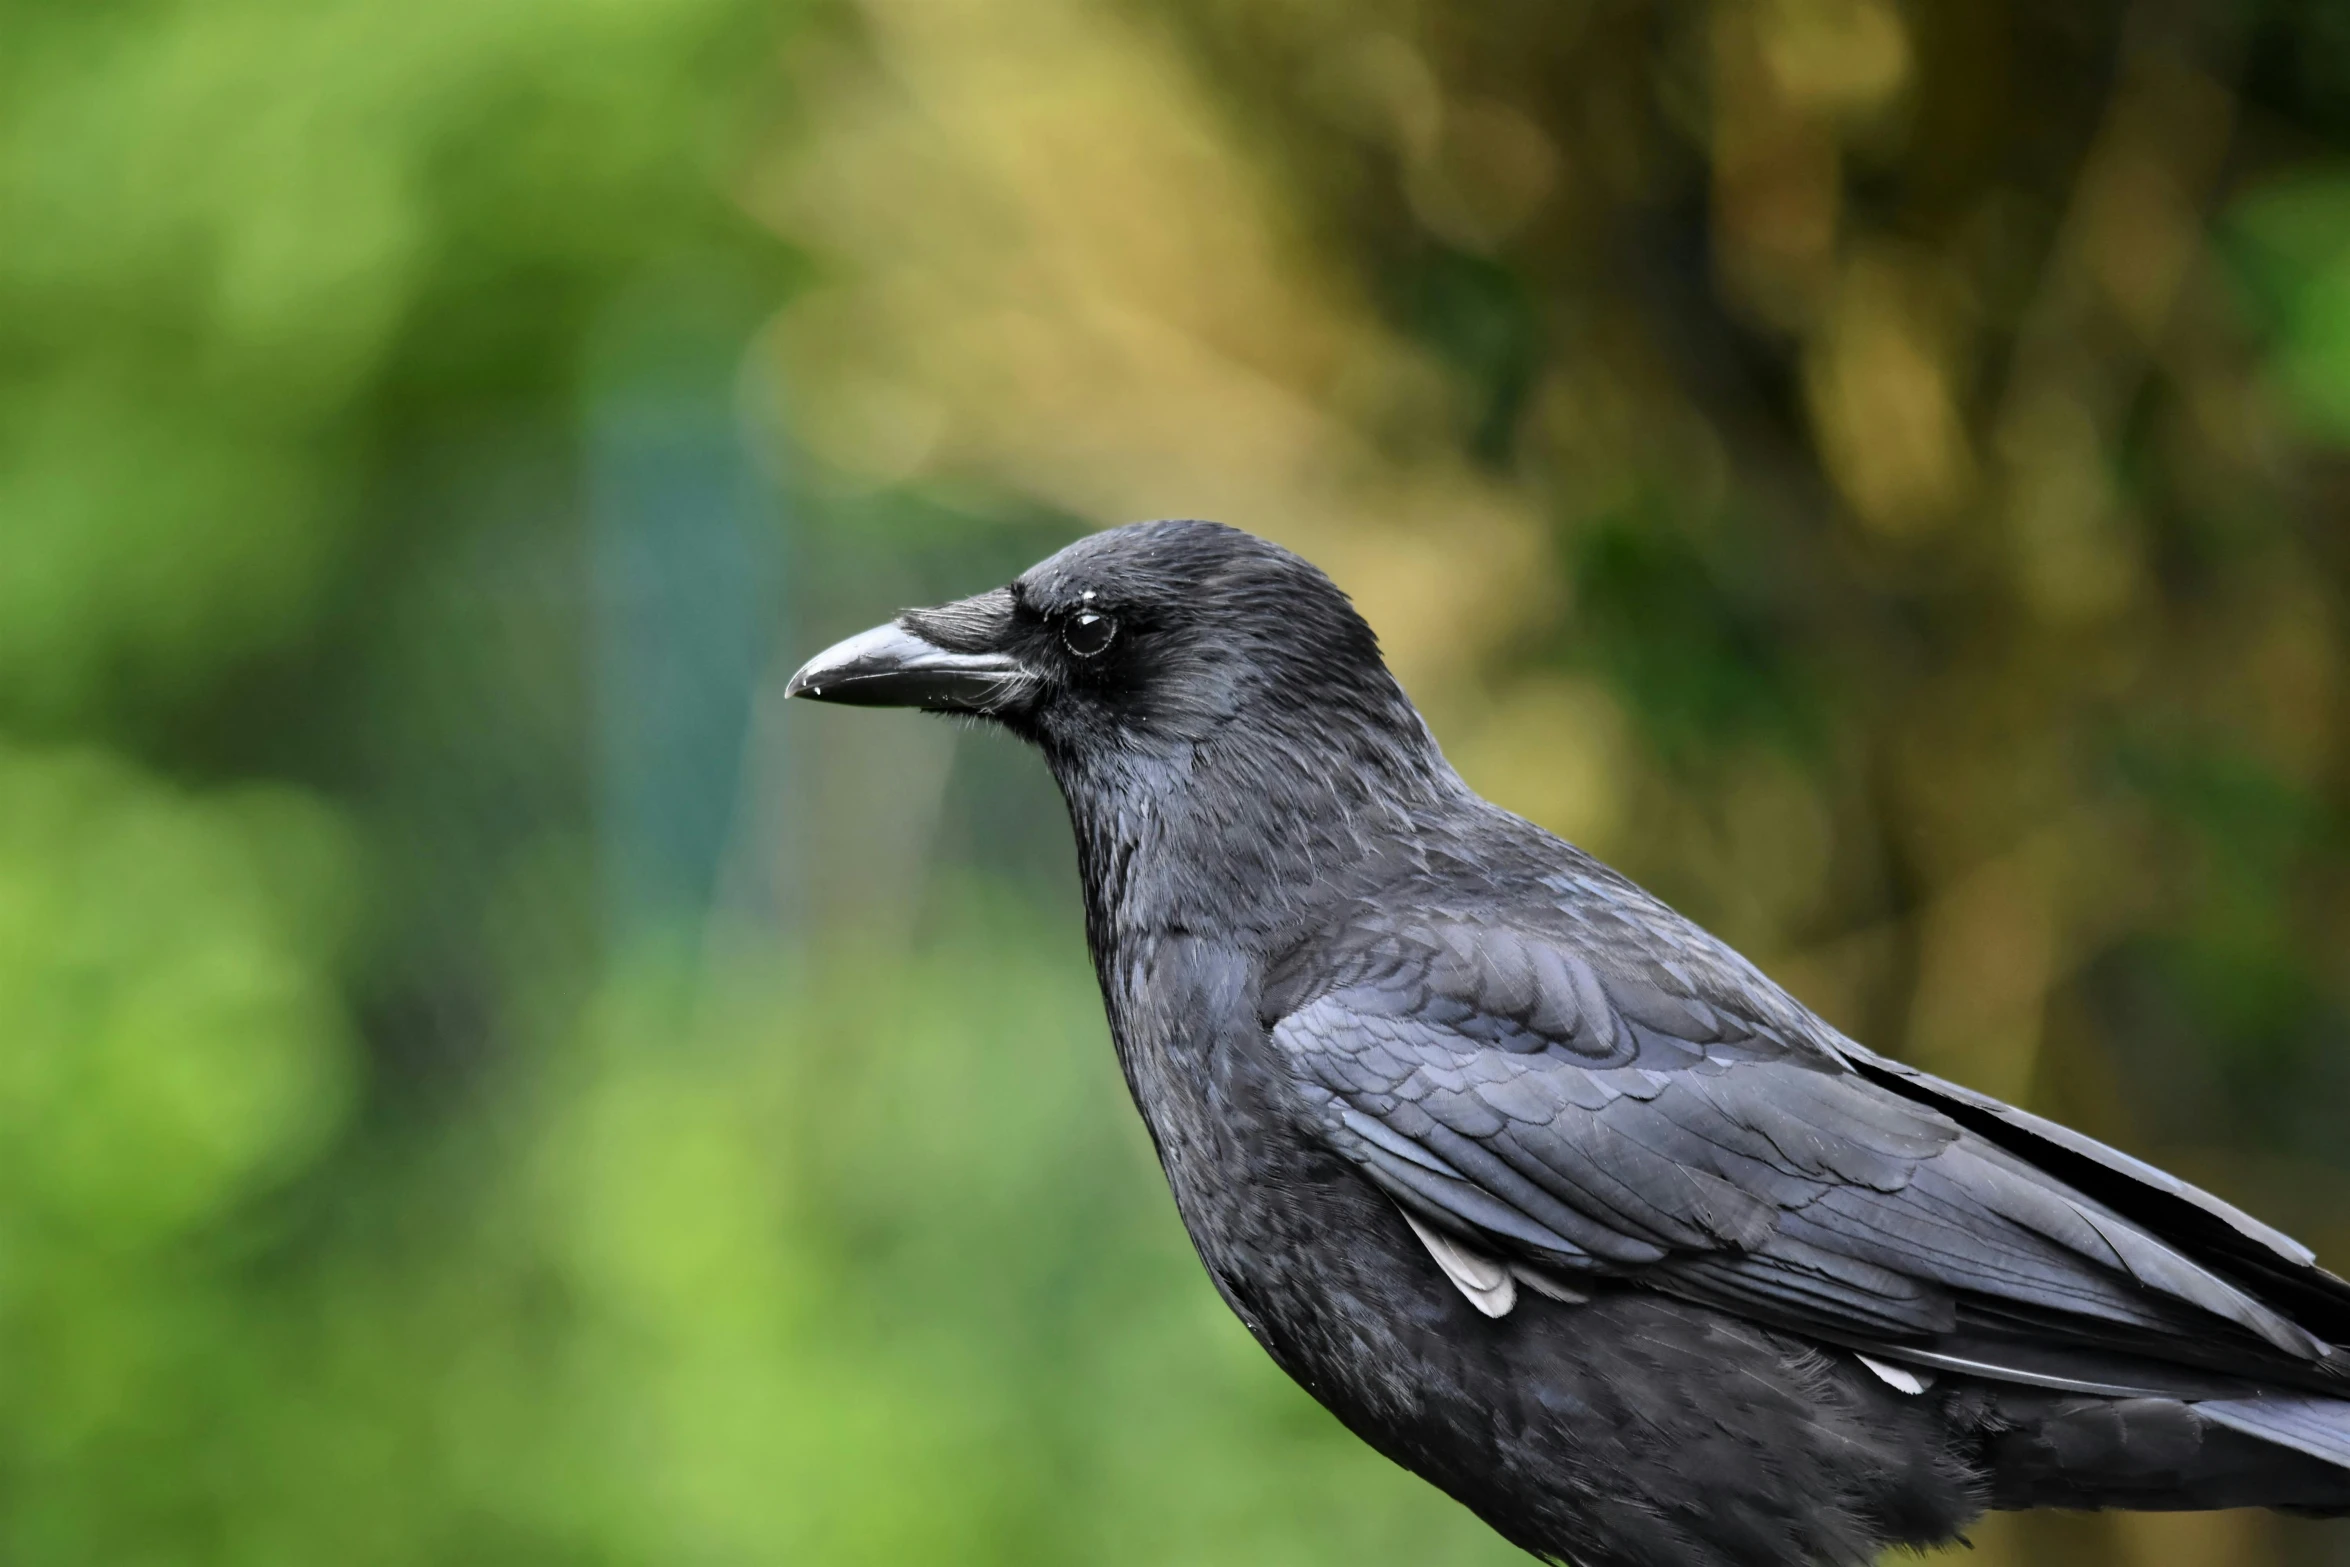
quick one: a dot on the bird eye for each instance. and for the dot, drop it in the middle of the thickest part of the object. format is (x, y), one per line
(1088, 632)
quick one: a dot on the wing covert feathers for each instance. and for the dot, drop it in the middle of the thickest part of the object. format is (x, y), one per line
(1550, 1116)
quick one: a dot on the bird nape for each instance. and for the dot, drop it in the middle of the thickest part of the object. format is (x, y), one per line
(1545, 1192)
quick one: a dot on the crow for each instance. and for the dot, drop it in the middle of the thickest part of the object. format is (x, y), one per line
(1548, 1194)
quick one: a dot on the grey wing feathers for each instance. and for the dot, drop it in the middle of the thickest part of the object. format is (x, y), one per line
(2064, 1138)
(2319, 1427)
(2282, 1270)
(1541, 1106)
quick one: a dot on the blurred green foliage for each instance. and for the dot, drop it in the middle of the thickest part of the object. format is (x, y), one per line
(1877, 471)
(353, 1206)
(2292, 246)
(236, 232)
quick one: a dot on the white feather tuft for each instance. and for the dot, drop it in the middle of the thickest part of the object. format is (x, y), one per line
(1906, 1379)
(1487, 1283)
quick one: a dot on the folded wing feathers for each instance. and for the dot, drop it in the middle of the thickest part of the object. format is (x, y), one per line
(2083, 1146)
(1779, 1285)
(1480, 1164)
(1542, 1283)
(1421, 1189)
(2158, 1267)
(1729, 1177)
(2319, 1427)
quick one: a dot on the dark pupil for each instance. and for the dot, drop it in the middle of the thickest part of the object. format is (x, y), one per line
(1089, 633)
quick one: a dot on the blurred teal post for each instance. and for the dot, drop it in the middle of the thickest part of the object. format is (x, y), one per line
(683, 526)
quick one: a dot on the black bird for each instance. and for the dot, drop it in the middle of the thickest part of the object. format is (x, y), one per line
(1545, 1192)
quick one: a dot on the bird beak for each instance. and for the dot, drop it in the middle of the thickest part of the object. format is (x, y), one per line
(896, 666)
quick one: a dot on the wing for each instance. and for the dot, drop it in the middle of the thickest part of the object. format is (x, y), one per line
(1576, 1116)
(2281, 1269)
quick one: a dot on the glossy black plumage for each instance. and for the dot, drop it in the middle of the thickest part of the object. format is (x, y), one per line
(1545, 1192)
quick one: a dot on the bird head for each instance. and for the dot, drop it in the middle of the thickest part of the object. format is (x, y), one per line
(1141, 640)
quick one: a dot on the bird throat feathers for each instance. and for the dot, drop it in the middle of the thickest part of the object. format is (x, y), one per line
(1264, 812)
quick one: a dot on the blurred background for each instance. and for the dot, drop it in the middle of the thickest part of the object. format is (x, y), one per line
(481, 1082)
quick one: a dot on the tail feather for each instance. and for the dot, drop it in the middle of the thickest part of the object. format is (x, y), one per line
(2049, 1449)
(2319, 1427)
